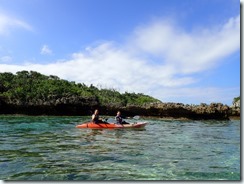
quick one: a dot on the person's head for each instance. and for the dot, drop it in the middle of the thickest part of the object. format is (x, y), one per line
(96, 112)
(118, 113)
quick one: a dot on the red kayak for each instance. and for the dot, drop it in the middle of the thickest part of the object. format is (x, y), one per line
(111, 125)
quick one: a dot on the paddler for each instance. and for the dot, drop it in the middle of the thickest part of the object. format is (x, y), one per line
(95, 117)
(119, 119)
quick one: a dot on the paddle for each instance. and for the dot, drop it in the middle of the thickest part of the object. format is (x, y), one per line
(136, 117)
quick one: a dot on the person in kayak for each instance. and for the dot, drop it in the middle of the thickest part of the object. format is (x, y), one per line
(95, 117)
(119, 119)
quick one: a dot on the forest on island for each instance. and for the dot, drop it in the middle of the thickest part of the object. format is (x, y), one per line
(32, 93)
(30, 87)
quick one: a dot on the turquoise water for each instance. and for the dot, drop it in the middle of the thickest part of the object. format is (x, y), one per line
(51, 148)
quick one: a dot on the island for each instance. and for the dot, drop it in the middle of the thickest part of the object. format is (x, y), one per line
(32, 93)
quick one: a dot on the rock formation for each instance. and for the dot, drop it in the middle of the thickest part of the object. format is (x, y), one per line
(75, 105)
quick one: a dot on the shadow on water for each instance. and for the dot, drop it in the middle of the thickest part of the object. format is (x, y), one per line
(92, 134)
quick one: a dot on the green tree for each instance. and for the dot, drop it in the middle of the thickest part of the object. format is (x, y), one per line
(25, 86)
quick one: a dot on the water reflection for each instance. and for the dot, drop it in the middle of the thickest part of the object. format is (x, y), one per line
(90, 135)
(95, 134)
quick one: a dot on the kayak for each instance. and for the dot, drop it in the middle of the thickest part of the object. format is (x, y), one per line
(111, 125)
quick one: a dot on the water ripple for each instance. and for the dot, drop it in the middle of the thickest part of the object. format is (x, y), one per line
(51, 148)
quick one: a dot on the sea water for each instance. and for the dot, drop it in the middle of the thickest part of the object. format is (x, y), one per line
(51, 148)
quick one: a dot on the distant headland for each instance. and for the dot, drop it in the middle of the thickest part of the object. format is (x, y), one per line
(32, 93)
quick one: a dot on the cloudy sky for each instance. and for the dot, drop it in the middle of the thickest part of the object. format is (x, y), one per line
(177, 51)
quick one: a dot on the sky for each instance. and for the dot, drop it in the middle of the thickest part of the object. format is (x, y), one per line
(176, 51)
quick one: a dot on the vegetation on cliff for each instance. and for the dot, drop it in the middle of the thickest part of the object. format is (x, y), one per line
(33, 88)
(33, 93)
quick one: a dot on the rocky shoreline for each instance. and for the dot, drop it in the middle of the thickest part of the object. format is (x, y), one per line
(216, 111)
(77, 106)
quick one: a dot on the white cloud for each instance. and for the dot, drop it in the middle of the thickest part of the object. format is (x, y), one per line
(45, 50)
(177, 55)
(5, 59)
(191, 51)
(8, 22)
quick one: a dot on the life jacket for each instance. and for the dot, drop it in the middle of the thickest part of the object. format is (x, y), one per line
(118, 119)
(95, 120)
